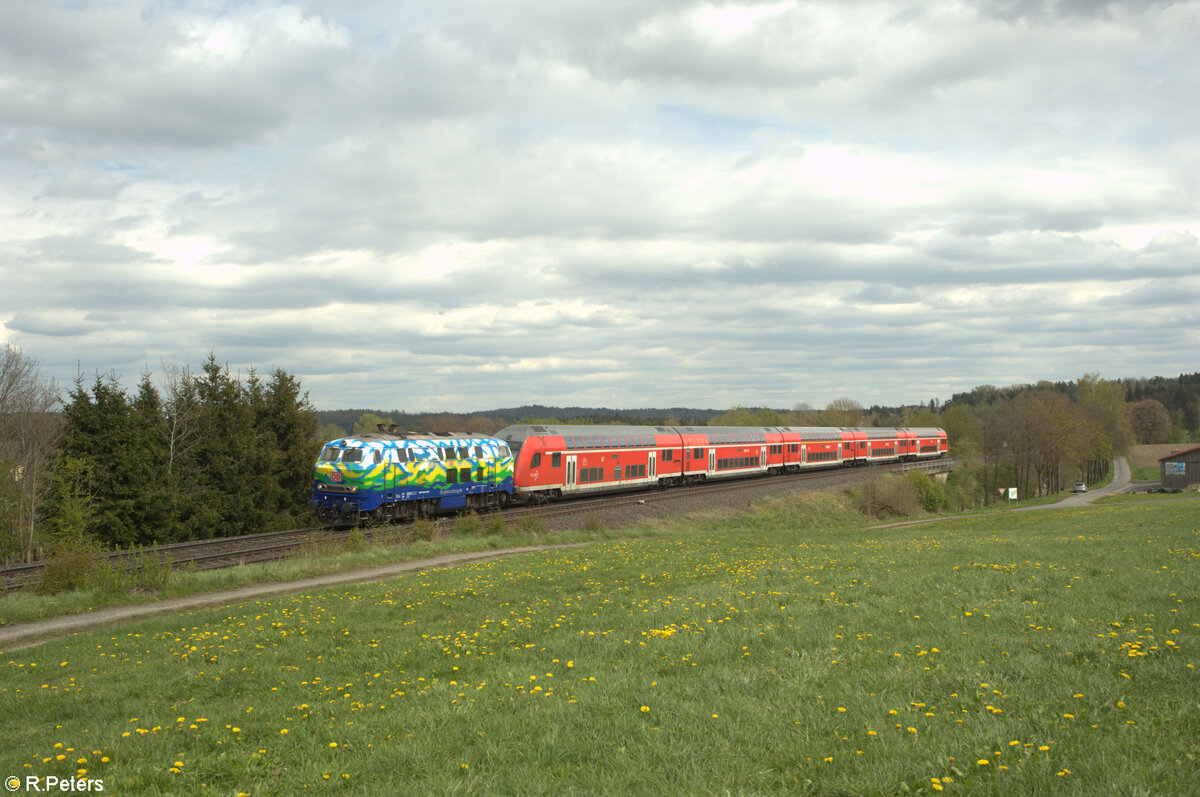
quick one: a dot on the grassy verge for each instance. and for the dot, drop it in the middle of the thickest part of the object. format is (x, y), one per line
(1028, 653)
(329, 552)
(1133, 498)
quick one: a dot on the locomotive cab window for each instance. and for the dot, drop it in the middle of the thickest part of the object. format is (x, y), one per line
(330, 454)
(536, 462)
(352, 455)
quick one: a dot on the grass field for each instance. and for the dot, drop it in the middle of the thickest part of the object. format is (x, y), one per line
(1143, 459)
(1024, 653)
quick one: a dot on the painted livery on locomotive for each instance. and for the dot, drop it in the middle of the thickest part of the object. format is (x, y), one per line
(393, 475)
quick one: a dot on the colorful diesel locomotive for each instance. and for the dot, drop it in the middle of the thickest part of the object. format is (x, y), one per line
(391, 475)
(557, 461)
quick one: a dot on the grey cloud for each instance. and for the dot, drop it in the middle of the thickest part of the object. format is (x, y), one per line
(396, 162)
(1048, 10)
(51, 324)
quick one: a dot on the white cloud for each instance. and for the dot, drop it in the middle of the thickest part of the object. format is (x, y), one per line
(623, 204)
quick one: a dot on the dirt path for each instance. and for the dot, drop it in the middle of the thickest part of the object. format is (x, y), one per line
(24, 635)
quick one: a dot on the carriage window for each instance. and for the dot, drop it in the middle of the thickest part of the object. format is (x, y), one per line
(504, 451)
(555, 459)
(479, 451)
(451, 476)
(330, 454)
(464, 475)
(378, 457)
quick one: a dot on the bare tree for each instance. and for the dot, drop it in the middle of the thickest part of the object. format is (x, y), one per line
(182, 407)
(29, 427)
(842, 411)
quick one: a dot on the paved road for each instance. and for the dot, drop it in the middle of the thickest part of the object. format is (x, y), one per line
(1120, 484)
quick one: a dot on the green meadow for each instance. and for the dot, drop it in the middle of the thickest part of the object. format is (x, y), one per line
(783, 651)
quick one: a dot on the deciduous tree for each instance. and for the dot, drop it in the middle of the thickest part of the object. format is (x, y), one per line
(29, 428)
(1150, 421)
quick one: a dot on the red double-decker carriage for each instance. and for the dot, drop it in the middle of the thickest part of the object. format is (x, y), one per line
(555, 461)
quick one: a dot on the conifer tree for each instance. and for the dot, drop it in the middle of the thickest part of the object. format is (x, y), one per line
(98, 432)
(152, 514)
(288, 426)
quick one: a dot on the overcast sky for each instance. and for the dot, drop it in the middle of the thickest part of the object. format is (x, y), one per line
(467, 205)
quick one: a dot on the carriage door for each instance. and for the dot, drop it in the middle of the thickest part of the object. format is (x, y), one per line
(712, 460)
(570, 481)
(803, 453)
(652, 466)
(762, 458)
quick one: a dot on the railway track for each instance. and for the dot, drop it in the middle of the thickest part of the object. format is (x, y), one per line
(274, 545)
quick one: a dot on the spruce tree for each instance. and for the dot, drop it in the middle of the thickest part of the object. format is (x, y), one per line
(152, 514)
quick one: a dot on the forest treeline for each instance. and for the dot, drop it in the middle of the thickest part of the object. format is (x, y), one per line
(190, 455)
(210, 454)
